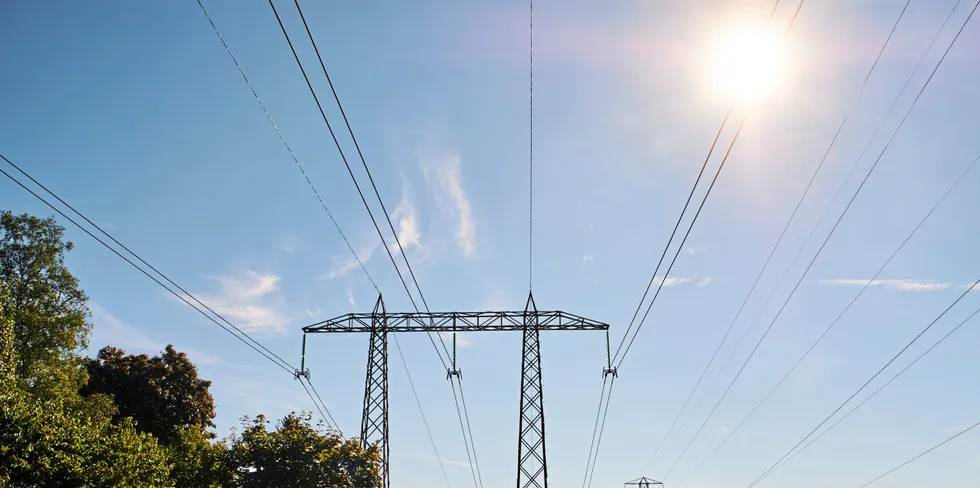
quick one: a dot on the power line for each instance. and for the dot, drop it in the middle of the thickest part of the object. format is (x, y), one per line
(350, 171)
(288, 148)
(328, 416)
(861, 292)
(469, 429)
(923, 453)
(530, 165)
(602, 427)
(391, 226)
(230, 328)
(928, 327)
(241, 335)
(418, 403)
(463, 427)
(779, 240)
(680, 246)
(360, 154)
(883, 386)
(595, 430)
(829, 235)
(683, 211)
(926, 84)
(677, 224)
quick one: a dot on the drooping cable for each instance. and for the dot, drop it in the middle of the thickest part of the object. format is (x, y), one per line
(477, 482)
(883, 386)
(832, 230)
(418, 403)
(292, 155)
(923, 453)
(779, 240)
(350, 171)
(653, 277)
(680, 247)
(595, 430)
(530, 144)
(915, 339)
(925, 85)
(469, 429)
(602, 427)
(863, 289)
(182, 296)
(836, 320)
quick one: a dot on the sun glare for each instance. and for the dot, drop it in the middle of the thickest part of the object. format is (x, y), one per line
(749, 63)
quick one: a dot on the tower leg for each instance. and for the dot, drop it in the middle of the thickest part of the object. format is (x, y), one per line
(532, 465)
(374, 422)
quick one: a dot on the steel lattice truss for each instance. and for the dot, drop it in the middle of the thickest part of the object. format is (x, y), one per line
(374, 420)
(532, 465)
(455, 321)
(644, 482)
(532, 469)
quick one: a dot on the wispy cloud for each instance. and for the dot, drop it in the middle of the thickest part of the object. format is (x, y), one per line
(453, 463)
(901, 285)
(287, 244)
(672, 280)
(346, 262)
(406, 219)
(109, 330)
(247, 300)
(697, 249)
(588, 258)
(724, 428)
(446, 171)
(314, 313)
(705, 281)
(350, 297)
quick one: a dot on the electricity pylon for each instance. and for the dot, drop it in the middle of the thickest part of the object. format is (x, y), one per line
(644, 482)
(532, 466)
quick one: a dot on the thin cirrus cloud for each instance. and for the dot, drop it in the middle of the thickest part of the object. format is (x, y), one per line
(673, 280)
(900, 285)
(450, 462)
(445, 173)
(588, 258)
(250, 301)
(406, 219)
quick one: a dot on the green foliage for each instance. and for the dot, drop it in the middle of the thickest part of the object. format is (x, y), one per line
(6, 337)
(298, 454)
(197, 462)
(49, 312)
(73, 443)
(163, 394)
(128, 421)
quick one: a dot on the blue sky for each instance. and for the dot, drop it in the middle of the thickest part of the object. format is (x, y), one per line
(134, 113)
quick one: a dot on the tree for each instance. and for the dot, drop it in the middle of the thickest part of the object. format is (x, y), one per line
(163, 394)
(49, 312)
(197, 462)
(6, 337)
(64, 442)
(298, 454)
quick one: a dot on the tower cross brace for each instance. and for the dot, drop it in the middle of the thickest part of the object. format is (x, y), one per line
(532, 466)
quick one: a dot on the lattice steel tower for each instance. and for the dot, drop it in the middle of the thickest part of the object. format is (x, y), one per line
(532, 465)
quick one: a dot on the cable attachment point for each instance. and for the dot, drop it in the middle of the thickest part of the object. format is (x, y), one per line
(454, 372)
(301, 373)
(610, 371)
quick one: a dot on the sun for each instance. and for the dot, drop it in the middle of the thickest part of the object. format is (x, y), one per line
(748, 63)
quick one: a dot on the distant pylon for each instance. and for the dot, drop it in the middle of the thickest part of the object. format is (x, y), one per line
(644, 482)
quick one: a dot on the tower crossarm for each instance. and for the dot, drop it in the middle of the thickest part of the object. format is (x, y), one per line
(455, 321)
